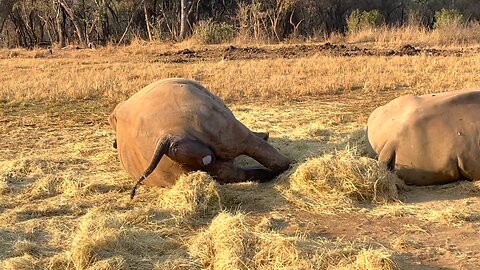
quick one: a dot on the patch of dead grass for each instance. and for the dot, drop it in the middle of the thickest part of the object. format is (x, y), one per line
(416, 35)
(106, 239)
(230, 243)
(117, 75)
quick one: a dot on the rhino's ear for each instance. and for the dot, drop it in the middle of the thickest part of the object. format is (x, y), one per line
(160, 149)
(262, 135)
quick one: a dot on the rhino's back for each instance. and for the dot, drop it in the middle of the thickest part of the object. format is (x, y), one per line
(177, 107)
(432, 138)
(180, 105)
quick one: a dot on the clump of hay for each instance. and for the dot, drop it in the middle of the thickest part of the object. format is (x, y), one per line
(455, 216)
(25, 262)
(447, 215)
(4, 188)
(193, 196)
(108, 240)
(15, 171)
(341, 180)
(357, 140)
(230, 243)
(52, 185)
(44, 177)
(226, 244)
(368, 259)
(464, 187)
(25, 247)
(46, 187)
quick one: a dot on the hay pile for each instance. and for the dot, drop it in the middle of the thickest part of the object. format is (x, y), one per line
(106, 240)
(144, 237)
(342, 180)
(40, 178)
(24, 262)
(194, 195)
(230, 243)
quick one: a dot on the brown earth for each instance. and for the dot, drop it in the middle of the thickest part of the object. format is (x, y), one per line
(295, 51)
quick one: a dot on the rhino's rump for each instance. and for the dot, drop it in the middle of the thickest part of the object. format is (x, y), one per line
(174, 107)
(430, 139)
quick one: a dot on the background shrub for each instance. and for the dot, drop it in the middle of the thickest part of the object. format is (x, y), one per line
(210, 32)
(447, 18)
(361, 20)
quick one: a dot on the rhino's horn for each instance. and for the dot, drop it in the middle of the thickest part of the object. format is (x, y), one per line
(160, 149)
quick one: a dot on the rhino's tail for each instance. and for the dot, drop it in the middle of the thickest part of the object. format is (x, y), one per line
(160, 149)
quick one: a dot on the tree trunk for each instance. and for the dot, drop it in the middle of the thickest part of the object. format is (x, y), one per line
(60, 32)
(184, 12)
(76, 23)
(5, 9)
(147, 22)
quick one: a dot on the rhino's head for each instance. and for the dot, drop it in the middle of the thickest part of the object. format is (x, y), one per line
(185, 150)
(190, 152)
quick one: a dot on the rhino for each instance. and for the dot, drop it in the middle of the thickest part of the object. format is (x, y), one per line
(430, 139)
(174, 126)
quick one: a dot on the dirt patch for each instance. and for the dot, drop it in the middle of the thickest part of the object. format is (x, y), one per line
(295, 51)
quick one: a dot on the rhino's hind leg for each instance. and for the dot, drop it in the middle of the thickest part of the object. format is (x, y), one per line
(227, 172)
(267, 155)
(387, 156)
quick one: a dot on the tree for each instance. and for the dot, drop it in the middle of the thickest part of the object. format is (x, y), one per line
(184, 14)
(5, 9)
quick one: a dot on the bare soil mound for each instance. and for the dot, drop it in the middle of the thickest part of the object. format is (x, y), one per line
(295, 51)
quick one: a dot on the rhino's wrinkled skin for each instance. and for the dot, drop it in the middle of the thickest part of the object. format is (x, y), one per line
(190, 129)
(429, 139)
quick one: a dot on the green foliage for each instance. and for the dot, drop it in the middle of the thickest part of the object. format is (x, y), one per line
(358, 21)
(447, 18)
(210, 32)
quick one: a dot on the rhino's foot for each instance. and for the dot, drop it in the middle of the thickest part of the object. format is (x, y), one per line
(401, 186)
(259, 174)
(226, 172)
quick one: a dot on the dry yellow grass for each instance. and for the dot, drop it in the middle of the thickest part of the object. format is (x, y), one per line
(454, 36)
(115, 74)
(64, 197)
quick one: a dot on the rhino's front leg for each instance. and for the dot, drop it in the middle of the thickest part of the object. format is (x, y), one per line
(227, 172)
(266, 154)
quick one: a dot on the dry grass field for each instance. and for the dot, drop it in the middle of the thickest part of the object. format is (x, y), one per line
(64, 198)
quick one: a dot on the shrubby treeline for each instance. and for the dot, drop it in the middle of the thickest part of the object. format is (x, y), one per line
(29, 23)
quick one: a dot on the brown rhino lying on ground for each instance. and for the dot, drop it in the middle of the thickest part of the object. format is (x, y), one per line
(430, 139)
(174, 126)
